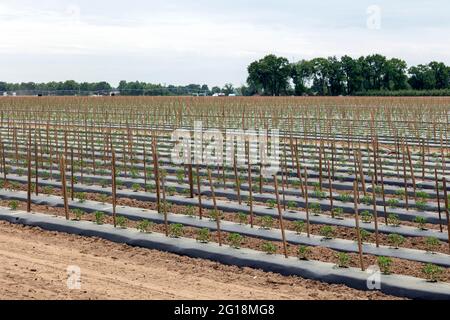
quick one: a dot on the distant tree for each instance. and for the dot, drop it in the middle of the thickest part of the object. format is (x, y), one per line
(271, 74)
(301, 73)
(228, 89)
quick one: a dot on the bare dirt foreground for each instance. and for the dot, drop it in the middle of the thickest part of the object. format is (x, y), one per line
(33, 265)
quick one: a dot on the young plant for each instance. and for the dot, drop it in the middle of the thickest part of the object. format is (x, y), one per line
(136, 187)
(394, 220)
(364, 235)
(393, 203)
(13, 205)
(366, 216)
(327, 232)
(432, 272)
(242, 218)
(338, 213)
(214, 215)
(271, 203)
(345, 197)
(367, 200)
(421, 221)
(269, 248)
(190, 211)
(81, 196)
(176, 230)
(103, 198)
(235, 240)
(400, 193)
(421, 205)
(432, 244)
(267, 222)
(343, 260)
(78, 214)
(203, 235)
(385, 264)
(303, 252)
(315, 208)
(299, 226)
(396, 240)
(121, 222)
(99, 217)
(144, 226)
(292, 205)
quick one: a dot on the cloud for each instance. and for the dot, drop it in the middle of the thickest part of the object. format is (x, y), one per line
(206, 41)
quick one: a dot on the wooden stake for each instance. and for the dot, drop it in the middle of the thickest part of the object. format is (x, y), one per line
(438, 198)
(29, 173)
(308, 229)
(199, 193)
(63, 185)
(375, 214)
(358, 231)
(215, 207)
(280, 216)
(444, 182)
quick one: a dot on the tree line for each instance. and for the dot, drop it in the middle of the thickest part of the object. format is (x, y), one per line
(274, 76)
(125, 88)
(370, 75)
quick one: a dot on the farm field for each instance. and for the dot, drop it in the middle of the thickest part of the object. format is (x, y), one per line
(357, 206)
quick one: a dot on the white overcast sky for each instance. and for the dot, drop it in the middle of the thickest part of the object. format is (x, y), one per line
(206, 41)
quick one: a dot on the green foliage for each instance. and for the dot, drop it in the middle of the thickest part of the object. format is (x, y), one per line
(364, 235)
(81, 196)
(432, 272)
(214, 215)
(327, 232)
(366, 216)
(235, 240)
(367, 200)
(303, 252)
(315, 208)
(243, 218)
(13, 205)
(292, 205)
(385, 264)
(267, 222)
(269, 248)
(400, 193)
(432, 244)
(299, 226)
(394, 220)
(345, 197)
(121, 221)
(144, 226)
(421, 205)
(99, 217)
(396, 240)
(78, 214)
(338, 213)
(343, 260)
(203, 235)
(421, 221)
(190, 211)
(176, 230)
(136, 187)
(393, 203)
(271, 203)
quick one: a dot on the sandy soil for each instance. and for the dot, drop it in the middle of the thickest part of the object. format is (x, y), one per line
(34, 265)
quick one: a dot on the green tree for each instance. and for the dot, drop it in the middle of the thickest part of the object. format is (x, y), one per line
(271, 74)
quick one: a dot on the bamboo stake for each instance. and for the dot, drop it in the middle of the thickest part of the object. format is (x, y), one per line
(63, 185)
(280, 216)
(444, 182)
(219, 234)
(438, 198)
(308, 229)
(250, 186)
(29, 172)
(358, 231)
(113, 183)
(375, 214)
(199, 193)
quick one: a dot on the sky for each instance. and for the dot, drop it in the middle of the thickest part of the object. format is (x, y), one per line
(206, 41)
